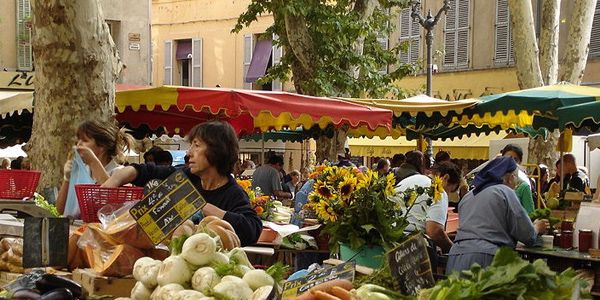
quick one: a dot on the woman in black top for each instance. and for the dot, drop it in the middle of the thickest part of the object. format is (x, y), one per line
(213, 153)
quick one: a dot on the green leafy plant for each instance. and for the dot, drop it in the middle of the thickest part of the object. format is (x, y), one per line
(508, 277)
(40, 201)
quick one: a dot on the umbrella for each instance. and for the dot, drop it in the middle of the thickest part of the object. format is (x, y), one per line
(519, 108)
(585, 115)
(177, 109)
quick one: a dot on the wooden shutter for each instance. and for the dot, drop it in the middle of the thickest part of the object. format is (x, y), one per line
(276, 55)
(405, 34)
(595, 36)
(456, 34)
(248, 47)
(409, 32)
(384, 42)
(168, 68)
(197, 62)
(24, 50)
(450, 36)
(503, 40)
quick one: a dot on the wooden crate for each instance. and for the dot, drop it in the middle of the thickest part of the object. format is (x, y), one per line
(7, 277)
(95, 285)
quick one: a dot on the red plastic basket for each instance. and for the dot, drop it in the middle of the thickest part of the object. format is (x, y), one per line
(18, 184)
(92, 197)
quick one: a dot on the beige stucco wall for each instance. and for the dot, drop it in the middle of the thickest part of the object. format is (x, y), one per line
(8, 40)
(130, 16)
(212, 21)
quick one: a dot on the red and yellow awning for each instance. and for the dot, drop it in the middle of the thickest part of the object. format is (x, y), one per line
(178, 109)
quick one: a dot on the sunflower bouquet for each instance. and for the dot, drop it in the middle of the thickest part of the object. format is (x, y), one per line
(355, 207)
(263, 205)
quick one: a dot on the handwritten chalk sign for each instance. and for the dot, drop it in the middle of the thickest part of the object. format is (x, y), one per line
(297, 287)
(410, 265)
(167, 206)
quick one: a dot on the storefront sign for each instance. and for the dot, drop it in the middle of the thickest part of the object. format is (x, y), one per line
(297, 287)
(410, 265)
(134, 46)
(16, 80)
(134, 37)
(167, 206)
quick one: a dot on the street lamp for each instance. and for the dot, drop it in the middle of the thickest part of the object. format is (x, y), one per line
(428, 23)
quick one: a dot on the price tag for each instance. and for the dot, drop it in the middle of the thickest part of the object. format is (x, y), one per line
(410, 265)
(167, 206)
(294, 288)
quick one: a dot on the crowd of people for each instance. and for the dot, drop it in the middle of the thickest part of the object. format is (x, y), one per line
(19, 163)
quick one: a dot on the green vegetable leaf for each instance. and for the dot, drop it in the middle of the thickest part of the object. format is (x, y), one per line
(278, 271)
(177, 244)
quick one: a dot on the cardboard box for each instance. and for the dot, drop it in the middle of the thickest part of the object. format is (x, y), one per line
(96, 285)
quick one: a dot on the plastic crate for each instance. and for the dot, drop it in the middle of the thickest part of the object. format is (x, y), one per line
(18, 184)
(92, 197)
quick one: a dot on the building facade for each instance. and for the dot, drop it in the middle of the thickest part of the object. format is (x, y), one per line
(473, 53)
(129, 23)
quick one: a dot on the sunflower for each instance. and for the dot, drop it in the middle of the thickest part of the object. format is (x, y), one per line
(366, 179)
(390, 183)
(245, 184)
(325, 211)
(323, 190)
(411, 198)
(438, 188)
(320, 168)
(346, 187)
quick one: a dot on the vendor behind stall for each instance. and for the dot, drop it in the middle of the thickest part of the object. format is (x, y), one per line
(213, 153)
(491, 217)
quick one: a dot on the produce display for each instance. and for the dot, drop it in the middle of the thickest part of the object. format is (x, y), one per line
(11, 255)
(508, 277)
(204, 266)
(44, 286)
(544, 213)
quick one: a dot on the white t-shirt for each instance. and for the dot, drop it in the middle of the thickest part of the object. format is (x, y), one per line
(421, 213)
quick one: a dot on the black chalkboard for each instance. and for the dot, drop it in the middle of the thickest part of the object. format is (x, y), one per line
(167, 206)
(410, 265)
(45, 242)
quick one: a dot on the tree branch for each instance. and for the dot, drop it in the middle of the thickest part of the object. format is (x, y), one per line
(526, 49)
(549, 41)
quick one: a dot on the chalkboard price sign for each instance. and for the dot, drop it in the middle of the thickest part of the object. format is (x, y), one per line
(167, 206)
(410, 265)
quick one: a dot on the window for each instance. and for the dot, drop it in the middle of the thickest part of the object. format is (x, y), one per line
(503, 52)
(24, 51)
(456, 35)
(384, 42)
(260, 54)
(410, 33)
(595, 36)
(168, 65)
(248, 43)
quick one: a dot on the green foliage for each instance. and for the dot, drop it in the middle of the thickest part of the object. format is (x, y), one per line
(278, 271)
(40, 201)
(509, 277)
(544, 213)
(177, 244)
(333, 28)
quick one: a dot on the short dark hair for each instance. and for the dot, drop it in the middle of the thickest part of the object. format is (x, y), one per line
(514, 148)
(382, 163)
(163, 158)
(152, 151)
(448, 168)
(416, 159)
(275, 159)
(398, 159)
(442, 156)
(222, 144)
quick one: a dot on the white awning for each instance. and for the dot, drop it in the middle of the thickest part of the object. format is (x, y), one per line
(15, 102)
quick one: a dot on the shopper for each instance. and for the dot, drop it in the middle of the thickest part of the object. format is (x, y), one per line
(491, 217)
(101, 146)
(213, 152)
(268, 178)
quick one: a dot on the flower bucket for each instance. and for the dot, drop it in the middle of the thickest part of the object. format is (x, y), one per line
(371, 257)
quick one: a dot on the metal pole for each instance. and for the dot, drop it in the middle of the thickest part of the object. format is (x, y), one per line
(428, 23)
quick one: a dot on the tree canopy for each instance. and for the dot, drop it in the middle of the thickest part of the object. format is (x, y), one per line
(332, 47)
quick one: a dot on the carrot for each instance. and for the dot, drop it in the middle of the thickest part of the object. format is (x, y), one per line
(341, 293)
(304, 296)
(324, 296)
(326, 286)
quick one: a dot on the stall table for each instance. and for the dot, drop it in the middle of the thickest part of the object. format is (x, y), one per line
(284, 255)
(559, 259)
